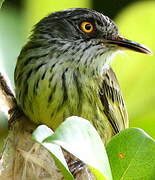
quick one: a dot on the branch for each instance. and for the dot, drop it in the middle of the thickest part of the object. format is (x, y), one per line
(6, 93)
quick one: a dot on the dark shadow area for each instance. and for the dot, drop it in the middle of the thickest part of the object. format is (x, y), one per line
(111, 7)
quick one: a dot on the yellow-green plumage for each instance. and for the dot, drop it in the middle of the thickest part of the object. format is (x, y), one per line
(57, 77)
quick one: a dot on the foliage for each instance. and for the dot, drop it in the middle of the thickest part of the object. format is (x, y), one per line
(128, 151)
(80, 138)
(40, 135)
(132, 155)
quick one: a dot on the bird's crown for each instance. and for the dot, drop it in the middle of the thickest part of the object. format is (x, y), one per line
(76, 23)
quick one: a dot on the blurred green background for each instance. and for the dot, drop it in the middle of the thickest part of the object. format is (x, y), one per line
(136, 72)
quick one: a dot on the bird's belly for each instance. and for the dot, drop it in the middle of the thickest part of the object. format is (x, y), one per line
(51, 104)
(54, 100)
(55, 111)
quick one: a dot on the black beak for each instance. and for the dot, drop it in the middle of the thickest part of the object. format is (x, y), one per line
(123, 43)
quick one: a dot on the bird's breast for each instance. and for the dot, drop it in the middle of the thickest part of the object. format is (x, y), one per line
(60, 93)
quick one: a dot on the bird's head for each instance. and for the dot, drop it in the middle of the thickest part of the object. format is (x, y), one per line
(82, 36)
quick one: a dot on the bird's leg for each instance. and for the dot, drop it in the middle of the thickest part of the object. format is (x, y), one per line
(75, 166)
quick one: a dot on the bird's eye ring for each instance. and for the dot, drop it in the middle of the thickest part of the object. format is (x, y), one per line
(87, 27)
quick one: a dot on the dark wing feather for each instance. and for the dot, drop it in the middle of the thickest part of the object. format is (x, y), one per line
(112, 101)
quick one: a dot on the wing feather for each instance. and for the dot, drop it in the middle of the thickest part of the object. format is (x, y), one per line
(112, 101)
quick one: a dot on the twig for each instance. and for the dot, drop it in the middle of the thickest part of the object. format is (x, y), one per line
(9, 98)
(6, 91)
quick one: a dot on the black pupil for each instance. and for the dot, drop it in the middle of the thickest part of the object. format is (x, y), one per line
(88, 26)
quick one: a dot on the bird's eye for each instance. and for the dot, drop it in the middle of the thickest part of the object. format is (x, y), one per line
(87, 27)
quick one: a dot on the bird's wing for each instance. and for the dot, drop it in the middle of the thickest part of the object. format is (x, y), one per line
(112, 101)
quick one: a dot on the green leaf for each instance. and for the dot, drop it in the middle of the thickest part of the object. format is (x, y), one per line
(132, 155)
(41, 133)
(80, 138)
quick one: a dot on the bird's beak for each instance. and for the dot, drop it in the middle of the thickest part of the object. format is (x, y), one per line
(122, 43)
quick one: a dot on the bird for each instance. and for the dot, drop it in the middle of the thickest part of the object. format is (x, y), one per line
(64, 70)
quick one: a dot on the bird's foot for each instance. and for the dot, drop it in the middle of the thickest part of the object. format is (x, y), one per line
(75, 166)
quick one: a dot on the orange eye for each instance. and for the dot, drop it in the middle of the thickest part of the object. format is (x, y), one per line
(87, 27)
